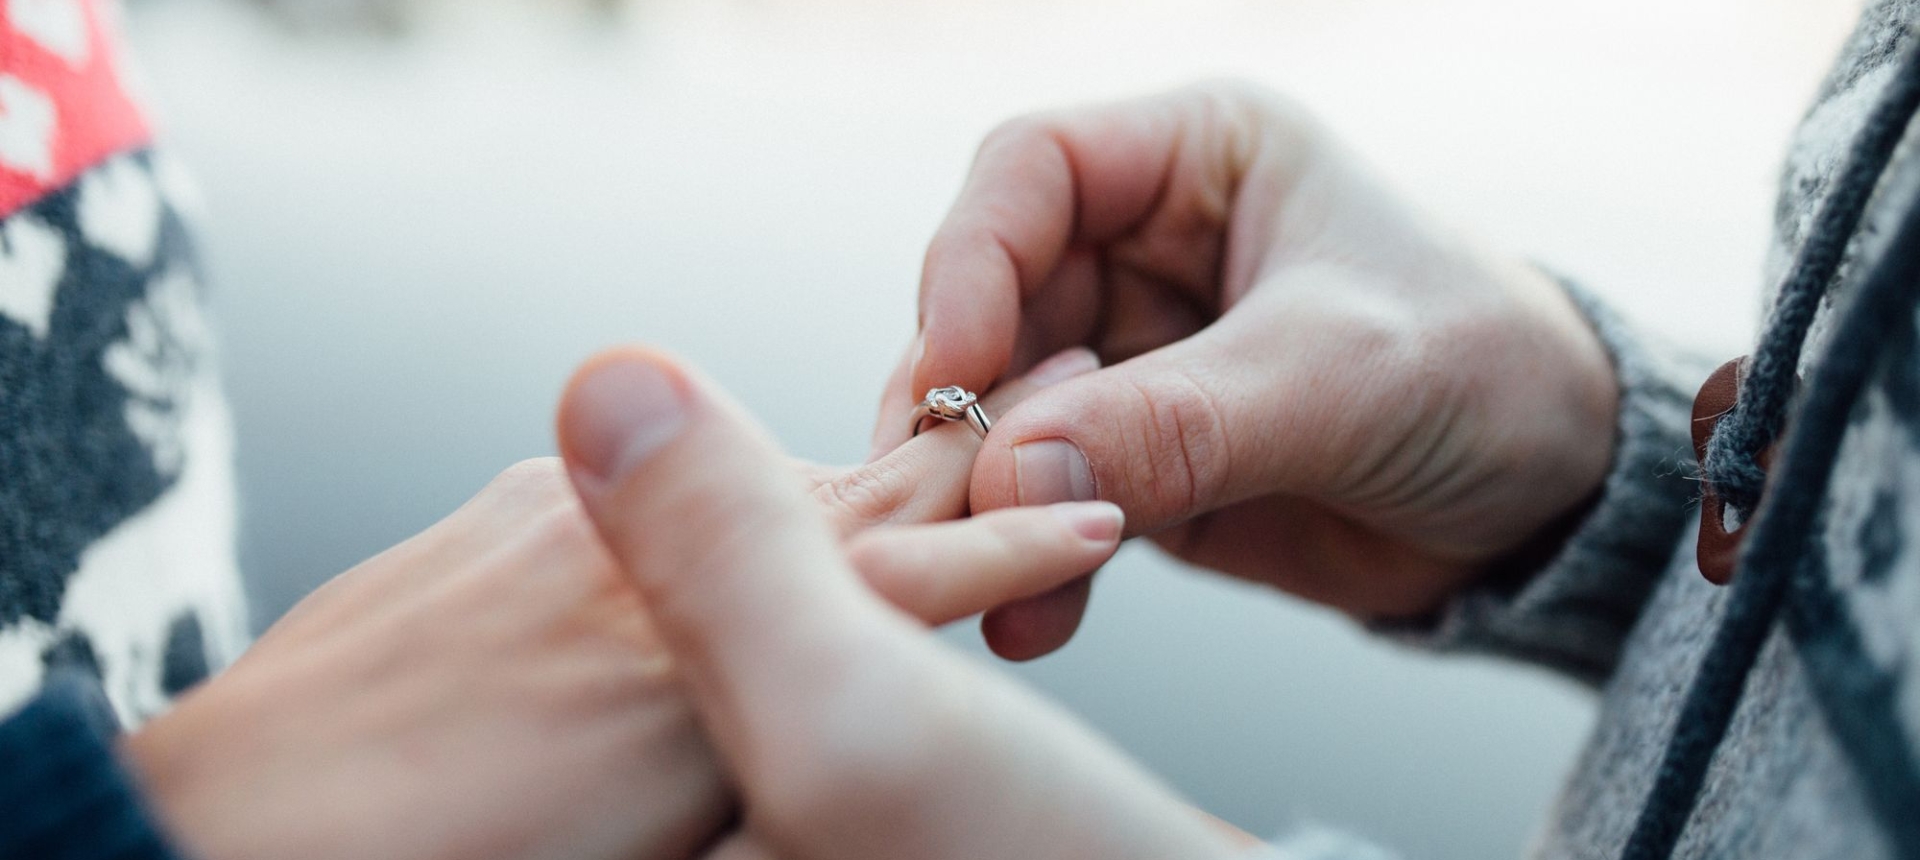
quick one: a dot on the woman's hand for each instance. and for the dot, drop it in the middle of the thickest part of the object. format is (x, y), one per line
(1314, 388)
(492, 688)
(848, 730)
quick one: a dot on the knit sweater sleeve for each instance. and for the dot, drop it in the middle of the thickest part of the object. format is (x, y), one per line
(62, 789)
(1572, 613)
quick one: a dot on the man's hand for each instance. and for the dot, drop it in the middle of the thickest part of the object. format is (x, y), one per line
(1308, 384)
(849, 731)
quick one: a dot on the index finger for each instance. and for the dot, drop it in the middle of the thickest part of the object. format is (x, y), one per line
(1038, 186)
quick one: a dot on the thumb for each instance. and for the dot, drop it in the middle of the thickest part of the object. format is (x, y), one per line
(743, 577)
(1148, 434)
(849, 733)
(1166, 436)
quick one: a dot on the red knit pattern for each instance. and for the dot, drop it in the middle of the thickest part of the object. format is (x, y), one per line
(93, 115)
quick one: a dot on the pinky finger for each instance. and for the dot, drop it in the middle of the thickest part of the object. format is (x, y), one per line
(948, 571)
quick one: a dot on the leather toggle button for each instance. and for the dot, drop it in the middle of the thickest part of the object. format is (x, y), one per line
(1719, 545)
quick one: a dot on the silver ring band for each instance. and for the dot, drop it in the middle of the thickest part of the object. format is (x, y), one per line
(952, 403)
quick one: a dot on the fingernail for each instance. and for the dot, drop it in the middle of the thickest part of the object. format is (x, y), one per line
(1064, 365)
(623, 411)
(1052, 470)
(1098, 522)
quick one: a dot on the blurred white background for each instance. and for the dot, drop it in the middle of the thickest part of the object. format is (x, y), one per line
(415, 240)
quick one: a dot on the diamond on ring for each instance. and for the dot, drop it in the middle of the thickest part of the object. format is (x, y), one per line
(952, 403)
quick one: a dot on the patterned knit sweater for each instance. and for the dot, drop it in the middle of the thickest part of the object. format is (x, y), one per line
(116, 494)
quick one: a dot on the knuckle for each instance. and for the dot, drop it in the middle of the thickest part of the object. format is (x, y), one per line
(520, 494)
(1231, 101)
(1249, 101)
(864, 496)
(560, 538)
(567, 525)
(1245, 119)
(1182, 440)
(1023, 130)
(532, 480)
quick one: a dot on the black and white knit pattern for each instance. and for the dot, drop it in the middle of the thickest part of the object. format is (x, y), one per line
(117, 506)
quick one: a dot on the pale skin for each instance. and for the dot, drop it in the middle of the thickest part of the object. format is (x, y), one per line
(493, 688)
(1309, 386)
(1308, 383)
(849, 732)
(1312, 388)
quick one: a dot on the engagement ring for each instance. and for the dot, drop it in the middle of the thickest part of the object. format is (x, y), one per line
(952, 403)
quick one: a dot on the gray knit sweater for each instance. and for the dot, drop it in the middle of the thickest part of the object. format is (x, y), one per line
(1817, 760)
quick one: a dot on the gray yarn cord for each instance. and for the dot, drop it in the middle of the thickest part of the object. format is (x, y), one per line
(1780, 540)
(1732, 464)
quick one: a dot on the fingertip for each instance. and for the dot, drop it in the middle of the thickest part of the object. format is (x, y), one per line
(1098, 523)
(620, 406)
(1033, 628)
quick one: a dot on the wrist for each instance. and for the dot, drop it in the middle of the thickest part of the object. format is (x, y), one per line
(1544, 443)
(1565, 398)
(187, 765)
(161, 762)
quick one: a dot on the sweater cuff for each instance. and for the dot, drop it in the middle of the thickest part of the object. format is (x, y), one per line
(65, 794)
(1573, 613)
